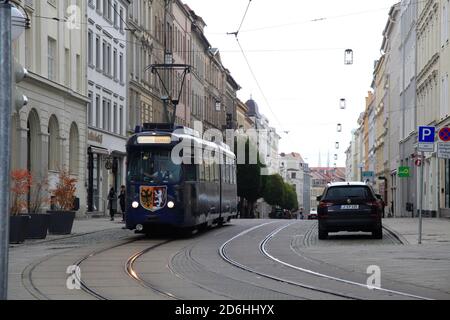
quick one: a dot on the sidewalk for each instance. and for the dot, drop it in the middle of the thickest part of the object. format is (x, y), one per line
(23, 255)
(434, 231)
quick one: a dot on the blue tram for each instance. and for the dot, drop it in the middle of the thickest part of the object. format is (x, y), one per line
(191, 195)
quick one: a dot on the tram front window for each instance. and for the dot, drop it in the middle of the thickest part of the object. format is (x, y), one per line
(153, 167)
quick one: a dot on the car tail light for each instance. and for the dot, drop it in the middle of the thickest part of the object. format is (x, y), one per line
(373, 204)
(325, 204)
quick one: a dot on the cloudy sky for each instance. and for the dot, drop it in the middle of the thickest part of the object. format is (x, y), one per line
(296, 51)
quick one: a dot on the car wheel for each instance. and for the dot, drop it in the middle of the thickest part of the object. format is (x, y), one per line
(323, 234)
(378, 234)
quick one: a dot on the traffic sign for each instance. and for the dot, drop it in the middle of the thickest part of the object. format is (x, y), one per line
(444, 134)
(426, 134)
(425, 147)
(418, 162)
(404, 172)
(368, 174)
(443, 150)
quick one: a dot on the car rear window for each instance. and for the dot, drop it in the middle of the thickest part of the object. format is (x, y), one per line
(338, 193)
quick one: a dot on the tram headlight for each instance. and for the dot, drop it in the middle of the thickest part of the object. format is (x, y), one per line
(135, 204)
(171, 204)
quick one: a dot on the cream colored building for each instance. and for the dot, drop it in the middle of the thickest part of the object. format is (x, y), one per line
(50, 133)
(444, 70)
(146, 39)
(429, 111)
(380, 125)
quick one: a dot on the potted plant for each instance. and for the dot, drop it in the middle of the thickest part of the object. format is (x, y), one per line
(39, 222)
(63, 215)
(20, 188)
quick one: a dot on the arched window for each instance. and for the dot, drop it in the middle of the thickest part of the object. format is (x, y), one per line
(33, 142)
(53, 145)
(15, 142)
(74, 149)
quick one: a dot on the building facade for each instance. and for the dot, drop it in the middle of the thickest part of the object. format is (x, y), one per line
(291, 167)
(49, 134)
(146, 23)
(107, 92)
(429, 112)
(444, 70)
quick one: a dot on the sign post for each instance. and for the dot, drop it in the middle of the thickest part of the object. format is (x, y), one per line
(426, 144)
(5, 138)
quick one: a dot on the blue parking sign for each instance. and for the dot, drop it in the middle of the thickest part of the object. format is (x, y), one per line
(427, 134)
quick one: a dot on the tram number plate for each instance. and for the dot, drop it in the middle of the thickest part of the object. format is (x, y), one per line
(350, 207)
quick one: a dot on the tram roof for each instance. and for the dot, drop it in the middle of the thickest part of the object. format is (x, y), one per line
(181, 132)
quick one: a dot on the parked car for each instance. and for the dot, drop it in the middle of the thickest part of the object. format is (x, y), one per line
(350, 206)
(312, 214)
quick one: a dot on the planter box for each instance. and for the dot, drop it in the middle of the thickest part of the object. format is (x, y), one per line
(38, 226)
(18, 228)
(61, 222)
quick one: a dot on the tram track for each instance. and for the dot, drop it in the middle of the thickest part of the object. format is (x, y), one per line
(264, 250)
(27, 274)
(130, 270)
(199, 273)
(227, 258)
(78, 263)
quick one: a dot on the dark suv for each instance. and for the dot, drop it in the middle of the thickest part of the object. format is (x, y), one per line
(350, 206)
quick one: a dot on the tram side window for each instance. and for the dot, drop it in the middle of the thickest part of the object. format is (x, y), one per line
(190, 172)
(217, 172)
(201, 171)
(226, 170)
(207, 172)
(233, 174)
(211, 172)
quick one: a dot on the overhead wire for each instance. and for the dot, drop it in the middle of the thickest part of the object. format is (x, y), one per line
(240, 30)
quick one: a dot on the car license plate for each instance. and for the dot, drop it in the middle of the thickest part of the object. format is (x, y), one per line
(350, 207)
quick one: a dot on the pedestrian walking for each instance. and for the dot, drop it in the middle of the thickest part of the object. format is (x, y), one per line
(122, 197)
(112, 203)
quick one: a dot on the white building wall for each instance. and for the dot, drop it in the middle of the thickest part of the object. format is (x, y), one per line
(107, 90)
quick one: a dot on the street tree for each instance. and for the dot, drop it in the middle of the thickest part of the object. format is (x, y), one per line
(290, 199)
(273, 191)
(249, 181)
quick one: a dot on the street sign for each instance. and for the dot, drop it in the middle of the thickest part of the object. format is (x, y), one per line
(426, 134)
(368, 174)
(404, 172)
(444, 134)
(425, 147)
(443, 150)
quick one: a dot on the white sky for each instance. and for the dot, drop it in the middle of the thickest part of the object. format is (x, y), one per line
(300, 65)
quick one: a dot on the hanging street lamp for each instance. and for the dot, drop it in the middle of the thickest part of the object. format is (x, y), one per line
(348, 59)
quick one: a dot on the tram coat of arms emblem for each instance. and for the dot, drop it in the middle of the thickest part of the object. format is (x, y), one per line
(153, 198)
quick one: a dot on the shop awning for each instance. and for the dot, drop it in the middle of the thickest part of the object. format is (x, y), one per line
(98, 150)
